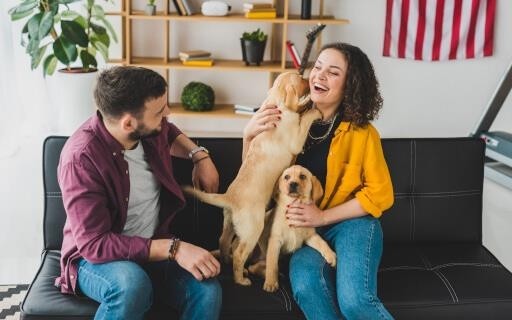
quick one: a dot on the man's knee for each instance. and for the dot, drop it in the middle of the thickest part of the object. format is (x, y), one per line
(207, 292)
(133, 288)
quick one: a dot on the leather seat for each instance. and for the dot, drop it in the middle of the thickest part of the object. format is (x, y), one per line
(433, 267)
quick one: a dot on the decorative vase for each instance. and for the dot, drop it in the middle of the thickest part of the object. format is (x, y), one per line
(253, 51)
(71, 93)
(305, 12)
(150, 9)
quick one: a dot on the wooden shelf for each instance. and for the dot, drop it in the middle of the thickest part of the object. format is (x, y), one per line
(233, 65)
(293, 18)
(218, 111)
(140, 15)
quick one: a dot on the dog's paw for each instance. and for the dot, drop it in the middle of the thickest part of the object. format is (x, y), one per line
(244, 281)
(271, 286)
(330, 257)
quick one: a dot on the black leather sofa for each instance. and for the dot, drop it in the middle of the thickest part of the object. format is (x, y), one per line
(434, 265)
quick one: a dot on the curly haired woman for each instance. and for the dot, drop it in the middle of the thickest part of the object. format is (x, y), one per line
(345, 153)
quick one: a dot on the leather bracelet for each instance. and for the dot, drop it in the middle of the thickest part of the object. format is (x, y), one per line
(173, 248)
(205, 157)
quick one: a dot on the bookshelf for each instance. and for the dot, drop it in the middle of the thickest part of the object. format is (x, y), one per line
(166, 19)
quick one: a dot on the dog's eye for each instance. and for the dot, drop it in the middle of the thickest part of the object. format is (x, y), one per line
(302, 177)
(286, 177)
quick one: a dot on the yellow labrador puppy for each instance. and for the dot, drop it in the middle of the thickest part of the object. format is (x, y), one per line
(295, 184)
(268, 155)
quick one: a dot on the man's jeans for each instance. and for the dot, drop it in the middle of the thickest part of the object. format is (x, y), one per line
(125, 290)
(349, 291)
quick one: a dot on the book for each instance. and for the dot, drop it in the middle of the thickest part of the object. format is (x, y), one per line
(175, 2)
(293, 54)
(195, 58)
(247, 108)
(194, 53)
(244, 112)
(182, 7)
(261, 15)
(188, 7)
(257, 5)
(260, 10)
(198, 63)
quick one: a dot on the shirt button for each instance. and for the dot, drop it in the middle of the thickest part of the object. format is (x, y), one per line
(122, 151)
(114, 154)
(126, 171)
(126, 199)
(72, 277)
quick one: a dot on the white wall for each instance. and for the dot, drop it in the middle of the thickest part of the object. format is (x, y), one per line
(421, 100)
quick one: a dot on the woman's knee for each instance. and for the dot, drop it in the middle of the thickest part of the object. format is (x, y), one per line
(307, 272)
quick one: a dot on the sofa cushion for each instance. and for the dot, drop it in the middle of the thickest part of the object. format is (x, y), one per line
(444, 281)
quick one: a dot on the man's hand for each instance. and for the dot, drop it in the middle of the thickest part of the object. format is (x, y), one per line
(198, 261)
(204, 175)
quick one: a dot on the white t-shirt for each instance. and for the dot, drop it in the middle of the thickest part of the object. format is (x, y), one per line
(144, 201)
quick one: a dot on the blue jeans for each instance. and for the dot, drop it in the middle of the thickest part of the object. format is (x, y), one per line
(349, 291)
(125, 290)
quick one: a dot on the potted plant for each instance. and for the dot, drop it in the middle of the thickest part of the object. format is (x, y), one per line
(54, 33)
(253, 46)
(151, 8)
(197, 96)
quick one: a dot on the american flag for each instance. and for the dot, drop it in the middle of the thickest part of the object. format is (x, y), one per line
(439, 29)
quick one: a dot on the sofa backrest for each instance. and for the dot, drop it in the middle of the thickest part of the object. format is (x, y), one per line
(437, 183)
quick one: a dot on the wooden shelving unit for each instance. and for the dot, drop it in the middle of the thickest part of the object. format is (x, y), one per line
(275, 65)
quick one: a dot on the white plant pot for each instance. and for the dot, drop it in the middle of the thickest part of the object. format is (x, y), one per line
(71, 95)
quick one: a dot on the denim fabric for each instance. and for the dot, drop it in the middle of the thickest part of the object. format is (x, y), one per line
(125, 290)
(350, 290)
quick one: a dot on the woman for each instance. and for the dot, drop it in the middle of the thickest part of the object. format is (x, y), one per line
(344, 152)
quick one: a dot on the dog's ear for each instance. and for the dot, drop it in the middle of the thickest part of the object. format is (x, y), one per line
(316, 190)
(291, 98)
(275, 192)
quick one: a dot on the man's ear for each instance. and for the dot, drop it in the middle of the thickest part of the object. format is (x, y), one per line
(128, 122)
(316, 190)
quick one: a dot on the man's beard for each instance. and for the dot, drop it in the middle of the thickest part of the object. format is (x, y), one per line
(143, 132)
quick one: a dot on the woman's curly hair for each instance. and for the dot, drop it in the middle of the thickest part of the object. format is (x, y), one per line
(362, 100)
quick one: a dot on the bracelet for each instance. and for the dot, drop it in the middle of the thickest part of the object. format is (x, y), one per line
(205, 157)
(196, 150)
(174, 243)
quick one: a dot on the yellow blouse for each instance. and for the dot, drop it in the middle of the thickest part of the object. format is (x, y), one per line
(356, 168)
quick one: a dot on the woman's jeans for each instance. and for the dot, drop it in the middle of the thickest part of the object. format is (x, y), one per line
(126, 290)
(348, 291)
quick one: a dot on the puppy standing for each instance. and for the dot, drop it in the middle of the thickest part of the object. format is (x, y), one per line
(268, 155)
(295, 184)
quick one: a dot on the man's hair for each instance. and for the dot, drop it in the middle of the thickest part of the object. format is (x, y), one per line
(125, 89)
(362, 100)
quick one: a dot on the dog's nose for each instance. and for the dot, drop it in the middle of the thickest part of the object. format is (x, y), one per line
(293, 186)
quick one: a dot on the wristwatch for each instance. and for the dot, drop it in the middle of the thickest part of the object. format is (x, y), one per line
(196, 150)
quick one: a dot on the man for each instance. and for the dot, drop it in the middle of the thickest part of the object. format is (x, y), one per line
(120, 196)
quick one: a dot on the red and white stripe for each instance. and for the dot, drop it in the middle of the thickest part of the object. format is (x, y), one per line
(439, 29)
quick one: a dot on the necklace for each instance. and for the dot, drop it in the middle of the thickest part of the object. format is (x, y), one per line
(326, 134)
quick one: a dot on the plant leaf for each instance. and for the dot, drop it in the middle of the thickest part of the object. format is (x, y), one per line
(102, 48)
(110, 29)
(74, 32)
(46, 24)
(98, 29)
(87, 59)
(33, 46)
(23, 9)
(70, 14)
(97, 12)
(49, 65)
(33, 25)
(103, 38)
(64, 50)
(36, 58)
(68, 1)
(81, 21)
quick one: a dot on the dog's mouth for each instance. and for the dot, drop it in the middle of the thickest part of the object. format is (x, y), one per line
(294, 194)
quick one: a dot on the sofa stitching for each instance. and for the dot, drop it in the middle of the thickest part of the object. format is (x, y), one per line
(284, 299)
(411, 231)
(435, 196)
(447, 282)
(469, 264)
(441, 192)
(287, 299)
(413, 186)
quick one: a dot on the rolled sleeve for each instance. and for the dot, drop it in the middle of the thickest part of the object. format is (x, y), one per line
(90, 220)
(376, 194)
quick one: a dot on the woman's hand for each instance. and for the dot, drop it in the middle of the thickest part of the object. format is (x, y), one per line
(304, 215)
(267, 117)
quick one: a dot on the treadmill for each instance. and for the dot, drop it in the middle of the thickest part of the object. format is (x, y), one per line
(498, 151)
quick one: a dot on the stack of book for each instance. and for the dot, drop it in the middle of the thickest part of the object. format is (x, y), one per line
(200, 58)
(294, 54)
(184, 7)
(259, 10)
(245, 109)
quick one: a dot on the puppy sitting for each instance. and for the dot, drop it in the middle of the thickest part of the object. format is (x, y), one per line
(295, 184)
(268, 155)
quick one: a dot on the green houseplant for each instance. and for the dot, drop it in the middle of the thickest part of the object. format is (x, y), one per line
(197, 96)
(253, 46)
(54, 33)
(151, 8)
